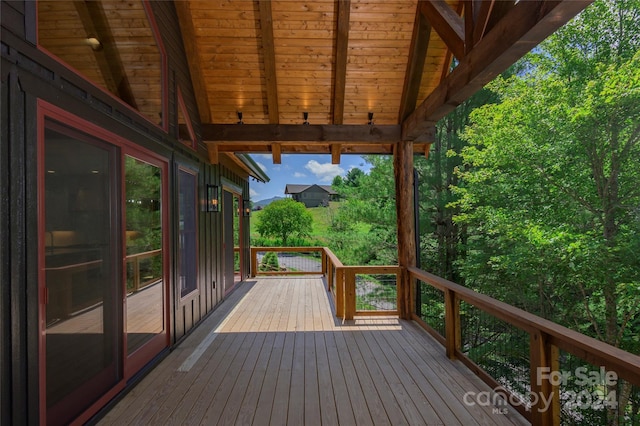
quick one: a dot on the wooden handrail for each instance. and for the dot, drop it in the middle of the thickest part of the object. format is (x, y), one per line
(583, 346)
(254, 259)
(545, 340)
(136, 258)
(350, 273)
(546, 337)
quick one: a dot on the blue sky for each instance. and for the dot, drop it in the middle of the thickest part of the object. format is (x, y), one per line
(300, 169)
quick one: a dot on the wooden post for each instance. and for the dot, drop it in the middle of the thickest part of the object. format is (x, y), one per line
(254, 261)
(452, 323)
(542, 391)
(339, 292)
(323, 255)
(403, 171)
(349, 294)
(136, 273)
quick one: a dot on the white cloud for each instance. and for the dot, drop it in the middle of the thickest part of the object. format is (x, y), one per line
(265, 156)
(299, 175)
(324, 172)
(262, 166)
(253, 192)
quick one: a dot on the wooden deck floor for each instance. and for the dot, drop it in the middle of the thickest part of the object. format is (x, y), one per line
(273, 353)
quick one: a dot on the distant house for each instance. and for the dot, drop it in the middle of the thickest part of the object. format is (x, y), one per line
(311, 195)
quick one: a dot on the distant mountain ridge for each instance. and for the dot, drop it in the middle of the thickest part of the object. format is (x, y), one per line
(264, 203)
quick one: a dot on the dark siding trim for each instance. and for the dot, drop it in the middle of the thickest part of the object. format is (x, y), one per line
(5, 273)
(167, 19)
(12, 15)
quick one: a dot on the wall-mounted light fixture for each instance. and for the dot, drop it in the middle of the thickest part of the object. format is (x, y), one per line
(305, 115)
(246, 208)
(370, 118)
(213, 199)
(240, 118)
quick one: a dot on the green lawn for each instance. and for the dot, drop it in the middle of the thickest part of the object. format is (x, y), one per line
(321, 220)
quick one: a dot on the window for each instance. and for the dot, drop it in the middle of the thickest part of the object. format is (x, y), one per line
(187, 213)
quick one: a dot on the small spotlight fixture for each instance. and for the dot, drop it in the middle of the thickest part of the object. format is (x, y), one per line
(93, 43)
(240, 118)
(246, 210)
(305, 115)
(370, 119)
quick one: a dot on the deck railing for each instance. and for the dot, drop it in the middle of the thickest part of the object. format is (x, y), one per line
(547, 372)
(137, 279)
(357, 290)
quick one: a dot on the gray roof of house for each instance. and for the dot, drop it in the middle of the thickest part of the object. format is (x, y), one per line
(296, 189)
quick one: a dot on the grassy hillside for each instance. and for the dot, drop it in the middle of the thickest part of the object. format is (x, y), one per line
(321, 221)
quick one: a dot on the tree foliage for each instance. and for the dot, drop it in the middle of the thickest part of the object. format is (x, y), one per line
(285, 218)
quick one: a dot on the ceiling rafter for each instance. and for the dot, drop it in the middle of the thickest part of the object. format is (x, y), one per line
(415, 66)
(185, 19)
(482, 10)
(298, 133)
(341, 52)
(523, 27)
(447, 23)
(336, 150)
(96, 25)
(269, 58)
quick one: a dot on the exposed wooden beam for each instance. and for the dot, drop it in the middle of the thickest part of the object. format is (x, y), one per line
(415, 64)
(312, 148)
(214, 156)
(427, 150)
(96, 25)
(469, 22)
(521, 29)
(447, 23)
(189, 40)
(448, 57)
(269, 59)
(299, 133)
(341, 52)
(481, 19)
(276, 151)
(335, 153)
(500, 9)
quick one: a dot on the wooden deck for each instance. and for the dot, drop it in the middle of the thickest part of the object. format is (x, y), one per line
(273, 353)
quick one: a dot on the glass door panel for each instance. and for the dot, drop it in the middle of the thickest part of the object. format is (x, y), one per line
(83, 326)
(145, 287)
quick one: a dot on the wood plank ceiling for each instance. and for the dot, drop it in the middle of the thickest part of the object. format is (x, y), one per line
(306, 75)
(322, 76)
(111, 43)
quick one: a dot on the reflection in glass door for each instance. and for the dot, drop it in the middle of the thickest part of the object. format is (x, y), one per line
(145, 284)
(81, 272)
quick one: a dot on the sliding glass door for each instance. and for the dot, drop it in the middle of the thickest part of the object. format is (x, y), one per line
(146, 325)
(104, 284)
(83, 313)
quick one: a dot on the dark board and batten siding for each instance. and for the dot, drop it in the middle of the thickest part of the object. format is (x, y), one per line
(28, 74)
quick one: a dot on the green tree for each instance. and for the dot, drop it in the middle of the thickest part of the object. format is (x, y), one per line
(284, 218)
(550, 185)
(364, 229)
